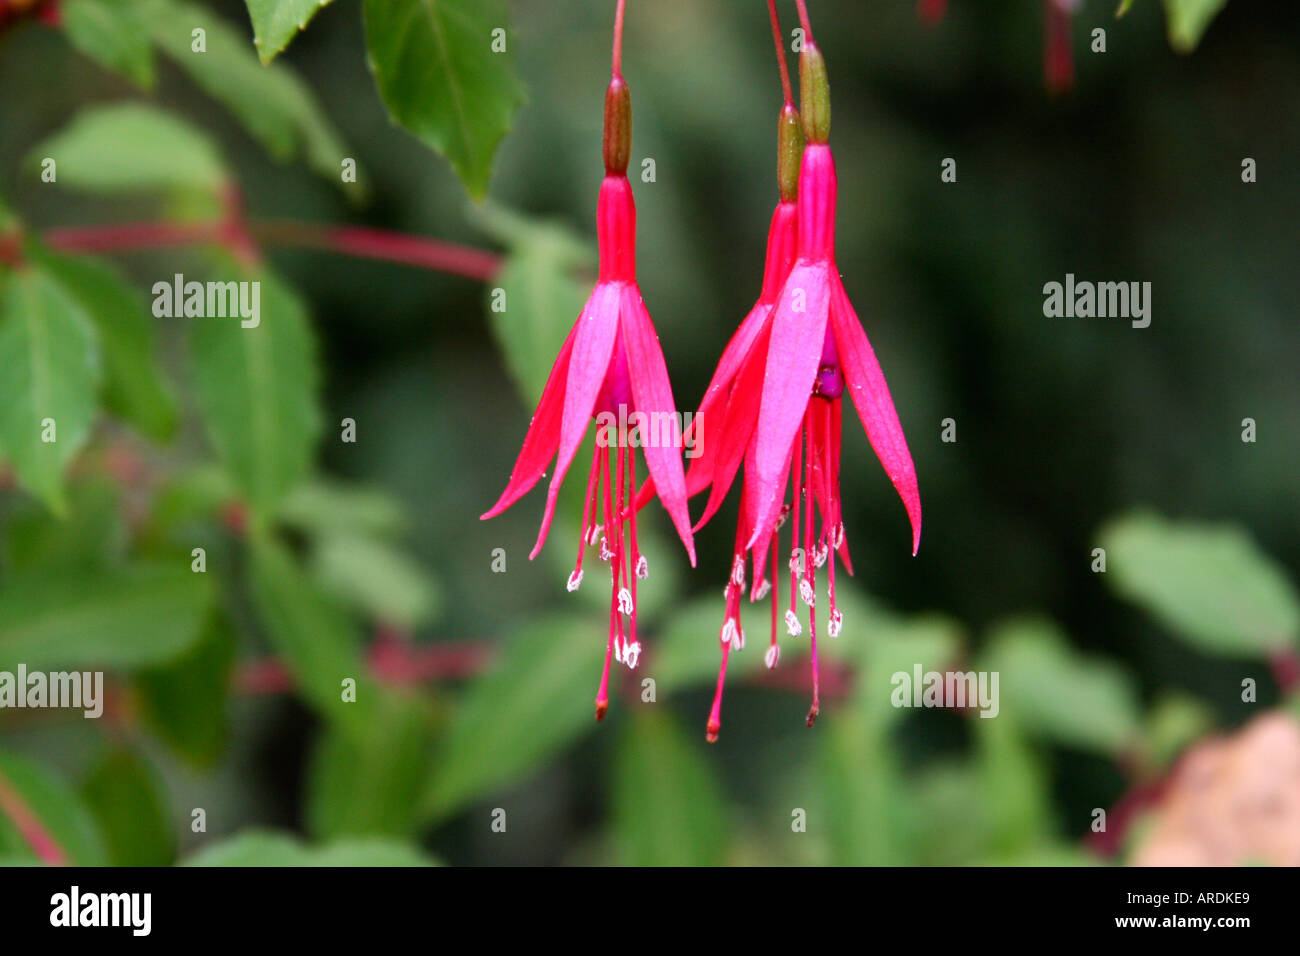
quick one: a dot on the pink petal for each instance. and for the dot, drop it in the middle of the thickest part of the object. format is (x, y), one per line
(792, 361)
(866, 383)
(728, 443)
(593, 345)
(543, 434)
(651, 393)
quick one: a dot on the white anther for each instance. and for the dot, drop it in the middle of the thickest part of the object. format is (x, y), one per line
(575, 578)
(806, 593)
(772, 656)
(605, 553)
(593, 534)
(836, 623)
(819, 558)
(792, 624)
(642, 568)
(762, 590)
(625, 601)
(728, 635)
(632, 654)
(837, 536)
(738, 571)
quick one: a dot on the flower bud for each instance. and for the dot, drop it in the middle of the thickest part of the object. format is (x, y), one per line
(814, 94)
(618, 127)
(789, 153)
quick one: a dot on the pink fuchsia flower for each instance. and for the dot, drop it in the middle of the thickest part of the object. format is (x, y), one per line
(812, 349)
(610, 368)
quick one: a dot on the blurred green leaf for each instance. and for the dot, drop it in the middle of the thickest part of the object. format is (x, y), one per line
(899, 646)
(1187, 20)
(276, 22)
(440, 78)
(862, 789)
(51, 371)
(131, 147)
(1050, 689)
(258, 389)
(376, 578)
(269, 848)
(537, 700)
(134, 387)
(321, 506)
(123, 793)
(315, 641)
(371, 785)
(1209, 584)
(91, 535)
(272, 102)
(55, 806)
(126, 617)
(113, 33)
(540, 295)
(185, 701)
(1013, 789)
(1173, 723)
(668, 808)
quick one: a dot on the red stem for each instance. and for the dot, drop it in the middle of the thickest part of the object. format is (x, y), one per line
(779, 39)
(356, 241)
(391, 662)
(618, 40)
(29, 825)
(804, 21)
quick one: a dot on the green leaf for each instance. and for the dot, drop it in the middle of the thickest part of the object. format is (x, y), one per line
(269, 848)
(1188, 19)
(376, 578)
(276, 22)
(113, 33)
(55, 806)
(322, 506)
(371, 785)
(668, 808)
(131, 147)
(272, 102)
(316, 642)
(47, 389)
(258, 391)
(134, 387)
(91, 535)
(862, 787)
(540, 296)
(123, 793)
(185, 701)
(1048, 688)
(440, 79)
(1209, 584)
(537, 700)
(126, 617)
(1124, 6)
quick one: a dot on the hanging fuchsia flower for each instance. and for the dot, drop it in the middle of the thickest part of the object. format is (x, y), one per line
(1058, 58)
(610, 368)
(783, 411)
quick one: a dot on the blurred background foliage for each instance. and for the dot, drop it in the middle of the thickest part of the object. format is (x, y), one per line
(328, 559)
